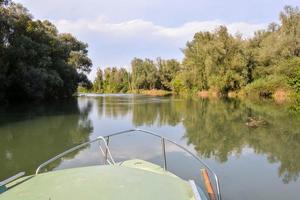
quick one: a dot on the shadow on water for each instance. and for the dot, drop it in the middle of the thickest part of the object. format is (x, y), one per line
(31, 134)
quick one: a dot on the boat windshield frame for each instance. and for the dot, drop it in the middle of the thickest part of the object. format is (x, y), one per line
(109, 159)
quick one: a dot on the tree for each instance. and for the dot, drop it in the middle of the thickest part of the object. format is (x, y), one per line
(98, 83)
(38, 63)
(115, 80)
(215, 61)
(151, 74)
(167, 70)
(144, 74)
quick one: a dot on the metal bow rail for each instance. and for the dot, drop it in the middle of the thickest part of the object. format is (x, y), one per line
(109, 159)
(107, 153)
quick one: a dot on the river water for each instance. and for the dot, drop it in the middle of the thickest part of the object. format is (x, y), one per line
(254, 147)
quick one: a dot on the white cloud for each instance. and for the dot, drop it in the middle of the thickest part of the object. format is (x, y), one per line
(142, 28)
(115, 44)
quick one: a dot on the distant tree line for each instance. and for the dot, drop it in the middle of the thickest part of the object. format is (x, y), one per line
(145, 75)
(37, 62)
(112, 80)
(221, 62)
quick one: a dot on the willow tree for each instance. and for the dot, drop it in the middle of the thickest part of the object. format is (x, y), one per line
(144, 74)
(167, 71)
(215, 61)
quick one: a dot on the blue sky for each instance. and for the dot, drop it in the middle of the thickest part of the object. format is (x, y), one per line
(118, 30)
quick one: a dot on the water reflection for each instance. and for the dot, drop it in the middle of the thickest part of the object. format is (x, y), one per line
(217, 128)
(219, 131)
(32, 134)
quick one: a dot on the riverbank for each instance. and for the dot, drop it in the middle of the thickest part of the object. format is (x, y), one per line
(279, 95)
(153, 92)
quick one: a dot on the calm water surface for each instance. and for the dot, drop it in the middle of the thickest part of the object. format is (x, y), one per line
(253, 162)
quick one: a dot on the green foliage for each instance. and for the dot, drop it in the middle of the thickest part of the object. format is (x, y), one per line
(268, 61)
(167, 70)
(295, 81)
(266, 87)
(147, 74)
(81, 89)
(291, 69)
(144, 74)
(114, 80)
(217, 61)
(178, 85)
(98, 82)
(38, 63)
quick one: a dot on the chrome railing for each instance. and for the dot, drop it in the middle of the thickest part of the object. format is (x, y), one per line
(98, 139)
(109, 159)
(11, 179)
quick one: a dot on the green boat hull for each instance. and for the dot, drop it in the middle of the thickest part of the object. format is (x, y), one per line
(130, 180)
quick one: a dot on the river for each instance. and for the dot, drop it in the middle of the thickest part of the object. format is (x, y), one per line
(258, 161)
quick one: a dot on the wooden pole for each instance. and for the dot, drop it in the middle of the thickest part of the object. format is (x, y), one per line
(208, 185)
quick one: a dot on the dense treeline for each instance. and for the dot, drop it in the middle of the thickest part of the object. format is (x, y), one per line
(145, 75)
(37, 62)
(220, 62)
(113, 80)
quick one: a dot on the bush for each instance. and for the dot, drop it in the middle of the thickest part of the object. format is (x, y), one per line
(178, 85)
(83, 90)
(266, 87)
(295, 82)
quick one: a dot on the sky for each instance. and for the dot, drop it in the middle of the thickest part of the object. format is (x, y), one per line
(119, 30)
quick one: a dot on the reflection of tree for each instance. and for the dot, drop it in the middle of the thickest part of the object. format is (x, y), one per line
(145, 110)
(217, 128)
(40, 132)
(162, 112)
(114, 106)
(100, 105)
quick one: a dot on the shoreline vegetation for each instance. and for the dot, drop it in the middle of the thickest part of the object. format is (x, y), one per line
(218, 64)
(37, 63)
(280, 96)
(152, 92)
